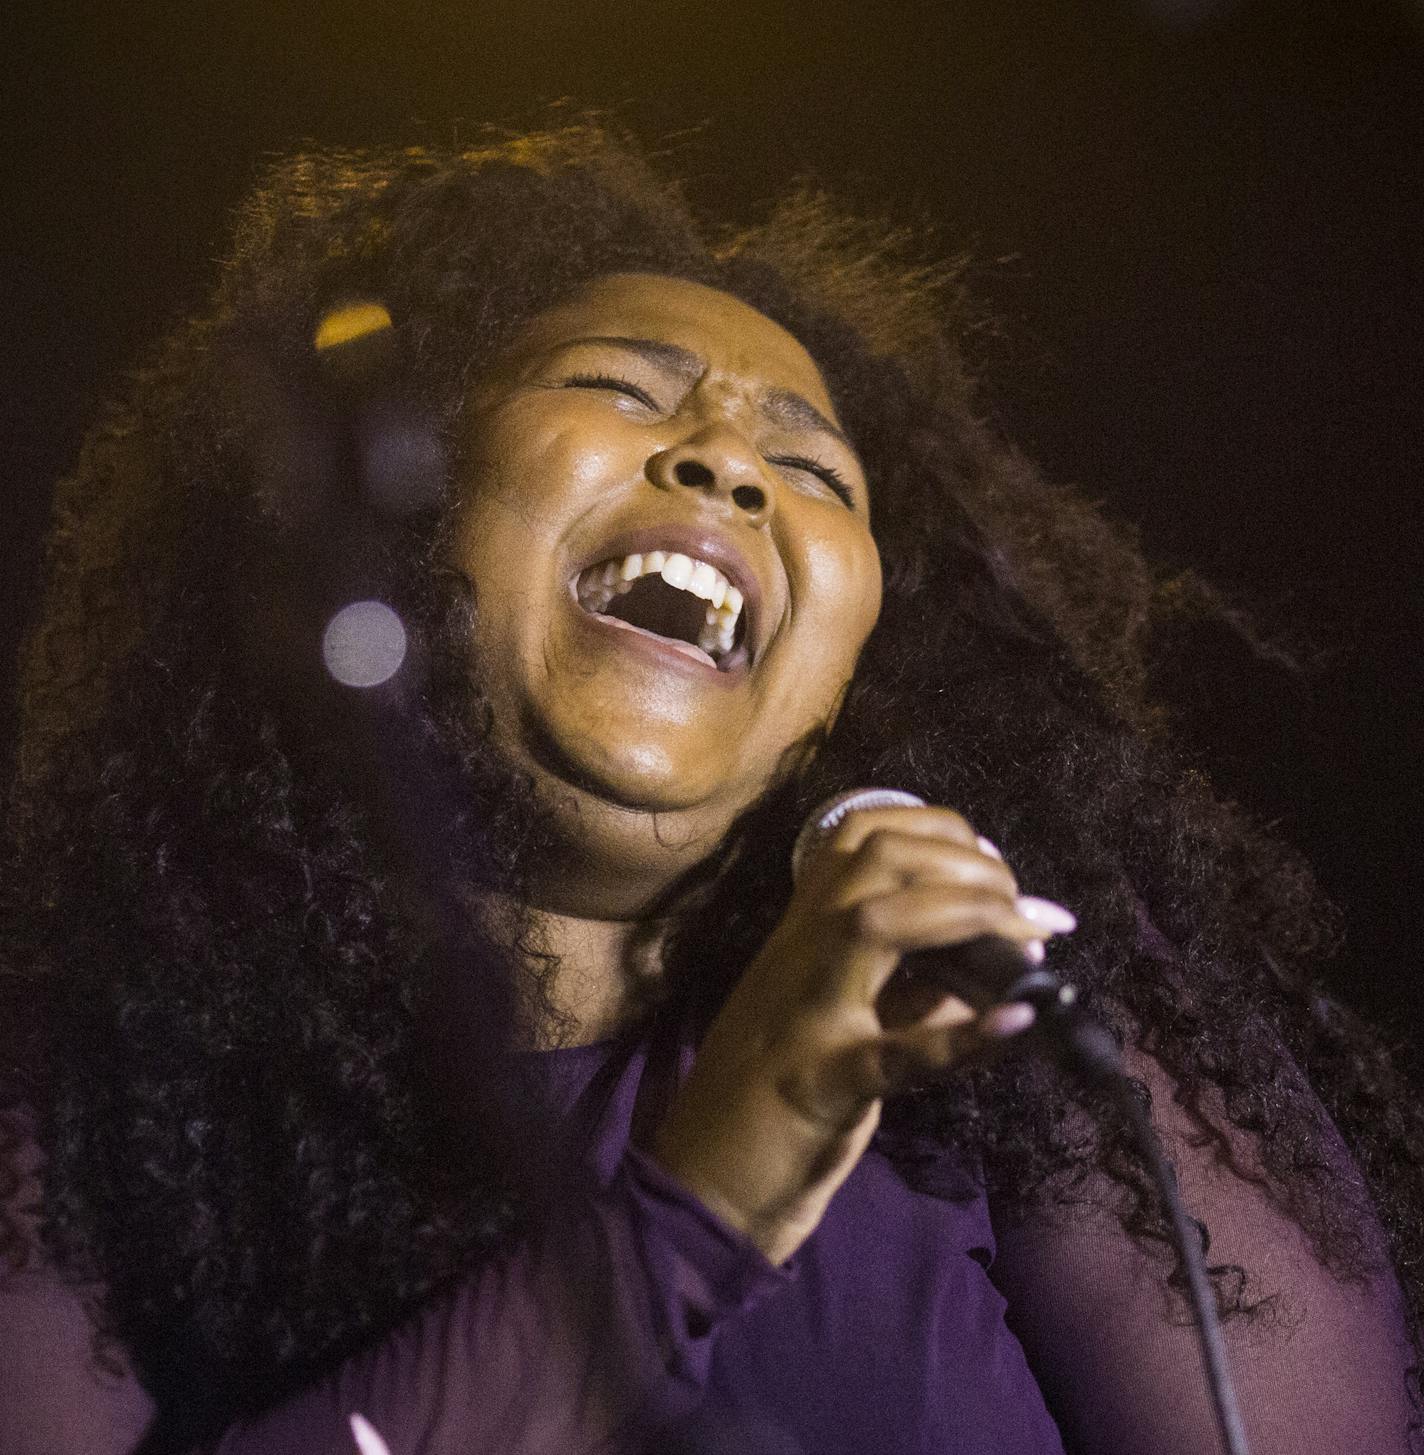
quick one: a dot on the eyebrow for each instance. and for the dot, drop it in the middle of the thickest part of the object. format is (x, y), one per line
(782, 406)
(795, 412)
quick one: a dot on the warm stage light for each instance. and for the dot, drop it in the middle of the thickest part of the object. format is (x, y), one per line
(350, 321)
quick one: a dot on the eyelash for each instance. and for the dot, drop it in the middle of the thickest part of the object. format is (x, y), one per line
(827, 474)
(607, 381)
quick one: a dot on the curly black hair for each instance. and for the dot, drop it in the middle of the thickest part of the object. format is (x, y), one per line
(214, 960)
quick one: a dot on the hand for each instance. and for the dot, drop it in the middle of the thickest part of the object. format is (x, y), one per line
(787, 1086)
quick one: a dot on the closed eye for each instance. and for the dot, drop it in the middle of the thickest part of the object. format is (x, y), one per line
(608, 381)
(827, 474)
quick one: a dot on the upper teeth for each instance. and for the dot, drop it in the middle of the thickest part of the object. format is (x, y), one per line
(598, 585)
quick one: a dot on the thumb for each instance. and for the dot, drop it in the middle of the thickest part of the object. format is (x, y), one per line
(950, 1034)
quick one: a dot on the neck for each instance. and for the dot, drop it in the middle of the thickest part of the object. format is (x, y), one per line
(610, 882)
(607, 973)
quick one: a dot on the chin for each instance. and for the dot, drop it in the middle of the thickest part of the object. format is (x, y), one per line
(630, 832)
(642, 777)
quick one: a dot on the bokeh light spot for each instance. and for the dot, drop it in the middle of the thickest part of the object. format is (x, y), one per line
(351, 321)
(403, 465)
(364, 644)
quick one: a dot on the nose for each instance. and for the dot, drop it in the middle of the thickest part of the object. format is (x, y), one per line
(719, 461)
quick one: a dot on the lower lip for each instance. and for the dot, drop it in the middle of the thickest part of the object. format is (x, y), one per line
(610, 631)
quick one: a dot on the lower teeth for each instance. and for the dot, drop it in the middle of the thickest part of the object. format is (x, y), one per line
(715, 638)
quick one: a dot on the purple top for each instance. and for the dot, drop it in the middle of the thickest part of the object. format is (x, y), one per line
(638, 1320)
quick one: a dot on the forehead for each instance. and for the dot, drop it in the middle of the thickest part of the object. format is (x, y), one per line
(728, 335)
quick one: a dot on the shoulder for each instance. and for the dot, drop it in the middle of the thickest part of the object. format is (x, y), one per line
(1321, 1357)
(1221, 1155)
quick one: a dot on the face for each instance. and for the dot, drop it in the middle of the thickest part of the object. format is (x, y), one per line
(669, 541)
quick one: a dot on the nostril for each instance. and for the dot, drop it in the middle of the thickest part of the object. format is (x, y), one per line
(692, 472)
(750, 497)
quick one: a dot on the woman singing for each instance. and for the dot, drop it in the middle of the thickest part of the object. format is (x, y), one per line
(438, 1056)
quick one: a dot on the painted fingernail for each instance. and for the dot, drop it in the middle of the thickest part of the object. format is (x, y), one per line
(368, 1442)
(989, 847)
(1034, 952)
(1045, 913)
(1007, 1020)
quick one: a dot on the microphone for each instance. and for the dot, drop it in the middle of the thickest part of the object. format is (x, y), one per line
(987, 970)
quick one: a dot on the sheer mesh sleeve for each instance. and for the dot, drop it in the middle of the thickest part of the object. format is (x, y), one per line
(581, 1338)
(1320, 1367)
(56, 1397)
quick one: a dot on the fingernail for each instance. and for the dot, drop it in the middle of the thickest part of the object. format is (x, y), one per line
(987, 846)
(1052, 917)
(1007, 1020)
(1034, 952)
(368, 1442)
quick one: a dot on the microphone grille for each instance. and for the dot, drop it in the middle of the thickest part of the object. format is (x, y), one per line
(826, 817)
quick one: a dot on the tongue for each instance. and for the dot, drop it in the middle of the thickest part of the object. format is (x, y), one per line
(661, 609)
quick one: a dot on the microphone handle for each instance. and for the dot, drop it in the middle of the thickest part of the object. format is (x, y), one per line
(987, 971)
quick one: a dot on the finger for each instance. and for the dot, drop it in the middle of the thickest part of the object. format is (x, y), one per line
(946, 1036)
(924, 917)
(888, 860)
(1002, 1022)
(945, 1040)
(927, 822)
(890, 926)
(1046, 914)
(950, 1014)
(911, 1000)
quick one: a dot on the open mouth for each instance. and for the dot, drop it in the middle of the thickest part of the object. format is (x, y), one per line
(676, 598)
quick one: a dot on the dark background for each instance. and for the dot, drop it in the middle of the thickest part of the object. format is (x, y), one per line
(1198, 223)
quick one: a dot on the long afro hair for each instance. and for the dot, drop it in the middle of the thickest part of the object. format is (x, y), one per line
(214, 969)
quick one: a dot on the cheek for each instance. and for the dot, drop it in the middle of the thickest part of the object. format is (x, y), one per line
(564, 435)
(568, 465)
(842, 581)
(836, 578)
(528, 480)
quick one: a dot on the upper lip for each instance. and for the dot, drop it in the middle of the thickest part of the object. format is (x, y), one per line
(701, 543)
